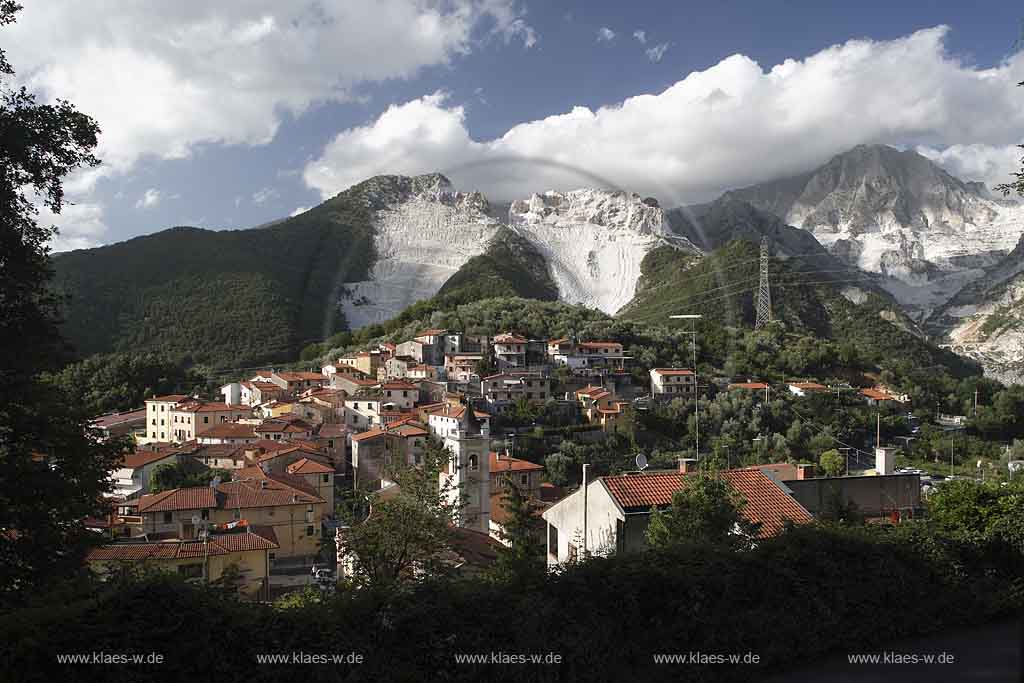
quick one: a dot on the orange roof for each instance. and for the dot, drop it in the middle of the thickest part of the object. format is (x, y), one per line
(431, 333)
(563, 340)
(600, 344)
(749, 385)
(509, 339)
(219, 544)
(169, 397)
(876, 395)
(199, 406)
(142, 457)
(227, 430)
(368, 434)
(191, 498)
(398, 385)
(249, 490)
(809, 386)
(507, 463)
(307, 466)
(766, 503)
(672, 371)
(300, 376)
(590, 390)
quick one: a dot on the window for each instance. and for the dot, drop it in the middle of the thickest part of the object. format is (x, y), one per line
(330, 443)
(524, 479)
(154, 424)
(161, 408)
(161, 422)
(206, 419)
(553, 539)
(309, 530)
(237, 513)
(168, 517)
(272, 556)
(205, 514)
(326, 479)
(474, 464)
(161, 436)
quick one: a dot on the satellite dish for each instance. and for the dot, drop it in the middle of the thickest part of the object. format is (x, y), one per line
(641, 461)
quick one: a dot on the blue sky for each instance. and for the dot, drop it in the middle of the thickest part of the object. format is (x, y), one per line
(215, 143)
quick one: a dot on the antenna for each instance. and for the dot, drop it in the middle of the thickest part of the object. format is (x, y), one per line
(641, 461)
(764, 292)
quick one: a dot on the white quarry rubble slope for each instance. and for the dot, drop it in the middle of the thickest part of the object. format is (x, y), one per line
(593, 242)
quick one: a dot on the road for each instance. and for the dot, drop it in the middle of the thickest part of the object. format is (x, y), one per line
(990, 653)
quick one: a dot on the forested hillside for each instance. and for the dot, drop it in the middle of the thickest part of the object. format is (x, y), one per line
(219, 298)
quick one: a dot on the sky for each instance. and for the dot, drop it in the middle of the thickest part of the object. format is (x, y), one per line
(227, 115)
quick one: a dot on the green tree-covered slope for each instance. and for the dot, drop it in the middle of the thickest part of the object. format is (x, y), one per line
(220, 298)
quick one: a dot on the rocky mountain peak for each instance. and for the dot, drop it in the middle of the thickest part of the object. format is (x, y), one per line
(612, 209)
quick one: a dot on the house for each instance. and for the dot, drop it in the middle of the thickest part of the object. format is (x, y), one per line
(229, 433)
(332, 440)
(878, 497)
(279, 459)
(402, 395)
(376, 450)
(415, 351)
(131, 423)
(509, 351)
(466, 434)
(874, 397)
(803, 389)
(317, 475)
(600, 406)
(286, 427)
(132, 477)
(750, 386)
(280, 501)
(367, 362)
(618, 510)
(246, 547)
(669, 383)
(255, 392)
(194, 416)
(416, 373)
(224, 456)
(501, 391)
(560, 347)
(158, 414)
(524, 474)
(398, 367)
(599, 355)
(461, 367)
(297, 382)
(350, 385)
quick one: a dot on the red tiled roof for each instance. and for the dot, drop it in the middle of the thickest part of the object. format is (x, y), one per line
(224, 430)
(113, 419)
(307, 466)
(509, 339)
(749, 385)
(248, 491)
(191, 498)
(141, 458)
(169, 398)
(672, 371)
(509, 464)
(300, 376)
(876, 395)
(599, 344)
(766, 503)
(219, 544)
(199, 406)
(399, 385)
(368, 434)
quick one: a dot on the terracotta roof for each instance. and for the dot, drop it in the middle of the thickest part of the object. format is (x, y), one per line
(307, 466)
(199, 406)
(599, 344)
(809, 386)
(398, 385)
(589, 390)
(300, 376)
(876, 395)
(114, 419)
(141, 458)
(191, 498)
(509, 464)
(783, 471)
(509, 339)
(748, 385)
(453, 411)
(474, 547)
(219, 544)
(431, 333)
(368, 434)
(169, 397)
(332, 431)
(295, 425)
(290, 448)
(224, 430)
(767, 503)
(563, 340)
(249, 491)
(263, 386)
(672, 371)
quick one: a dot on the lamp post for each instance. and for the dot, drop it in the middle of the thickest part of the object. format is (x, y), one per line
(694, 317)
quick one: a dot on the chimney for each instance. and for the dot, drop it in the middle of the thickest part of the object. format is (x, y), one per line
(804, 471)
(687, 465)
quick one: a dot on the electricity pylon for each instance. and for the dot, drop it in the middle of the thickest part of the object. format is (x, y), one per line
(764, 292)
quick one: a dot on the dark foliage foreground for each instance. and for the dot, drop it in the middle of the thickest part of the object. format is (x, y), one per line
(809, 592)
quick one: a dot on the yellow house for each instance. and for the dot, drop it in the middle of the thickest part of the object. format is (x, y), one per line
(282, 502)
(248, 549)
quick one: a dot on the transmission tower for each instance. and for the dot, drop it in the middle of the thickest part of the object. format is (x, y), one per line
(764, 292)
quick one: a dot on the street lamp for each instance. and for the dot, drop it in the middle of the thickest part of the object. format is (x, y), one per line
(694, 317)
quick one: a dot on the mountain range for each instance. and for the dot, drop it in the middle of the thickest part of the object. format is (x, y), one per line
(941, 254)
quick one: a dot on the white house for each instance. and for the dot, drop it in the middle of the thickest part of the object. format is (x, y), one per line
(672, 382)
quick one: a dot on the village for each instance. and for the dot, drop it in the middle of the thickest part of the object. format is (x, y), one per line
(251, 484)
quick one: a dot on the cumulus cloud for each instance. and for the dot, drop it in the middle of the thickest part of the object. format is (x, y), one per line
(79, 226)
(605, 35)
(989, 164)
(732, 124)
(149, 199)
(656, 52)
(298, 210)
(640, 35)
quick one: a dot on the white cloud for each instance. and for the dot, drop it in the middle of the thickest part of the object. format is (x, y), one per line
(298, 210)
(640, 35)
(164, 77)
(656, 52)
(149, 199)
(989, 164)
(80, 226)
(264, 195)
(727, 126)
(605, 35)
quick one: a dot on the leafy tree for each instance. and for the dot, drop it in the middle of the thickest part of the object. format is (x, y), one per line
(1016, 185)
(832, 463)
(706, 509)
(178, 475)
(557, 467)
(522, 531)
(53, 468)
